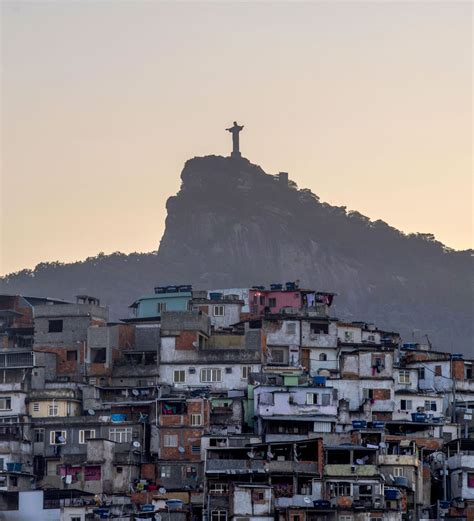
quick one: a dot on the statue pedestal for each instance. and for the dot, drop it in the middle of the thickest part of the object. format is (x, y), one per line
(236, 155)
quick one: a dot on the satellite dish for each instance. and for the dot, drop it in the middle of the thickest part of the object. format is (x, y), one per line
(391, 477)
(181, 449)
(162, 490)
(157, 517)
(91, 412)
(136, 444)
(251, 455)
(307, 500)
(135, 392)
(61, 439)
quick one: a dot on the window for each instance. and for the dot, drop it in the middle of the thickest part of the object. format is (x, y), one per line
(403, 377)
(39, 435)
(211, 375)
(340, 489)
(120, 434)
(326, 399)
(430, 405)
(290, 328)
(57, 437)
(219, 311)
(86, 435)
(319, 329)
(421, 373)
(36, 407)
(53, 409)
(278, 355)
(170, 440)
(218, 515)
(71, 356)
(179, 376)
(99, 355)
(272, 302)
(345, 517)
(5, 404)
(368, 394)
(165, 471)
(196, 420)
(438, 371)
(311, 398)
(348, 336)
(161, 307)
(75, 518)
(218, 488)
(258, 496)
(406, 405)
(323, 357)
(468, 371)
(92, 473)
(470, 479)
(246, 370)
(398, 472)
(262, 300)
(55, 326)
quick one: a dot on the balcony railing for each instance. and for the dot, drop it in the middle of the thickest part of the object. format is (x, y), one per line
(232, 466)
(16, 360)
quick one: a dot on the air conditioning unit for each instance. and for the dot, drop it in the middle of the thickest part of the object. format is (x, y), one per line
(192, 370)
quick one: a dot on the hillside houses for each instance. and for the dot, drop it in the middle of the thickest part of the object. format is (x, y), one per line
(246, 404)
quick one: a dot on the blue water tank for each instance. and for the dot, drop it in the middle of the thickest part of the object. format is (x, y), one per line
(378, 425)
(418, 416)
(359, 424)
(215, 296)
(276, 287)
(320, 381)
(392, 493)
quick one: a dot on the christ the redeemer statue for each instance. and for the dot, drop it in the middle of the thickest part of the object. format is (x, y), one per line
(235, 139)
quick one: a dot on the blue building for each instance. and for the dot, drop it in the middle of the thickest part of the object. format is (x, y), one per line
(165, 298)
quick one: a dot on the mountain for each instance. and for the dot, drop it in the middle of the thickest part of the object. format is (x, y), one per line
(233, 225)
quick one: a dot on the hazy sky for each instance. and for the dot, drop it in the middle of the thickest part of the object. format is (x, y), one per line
(368, 104)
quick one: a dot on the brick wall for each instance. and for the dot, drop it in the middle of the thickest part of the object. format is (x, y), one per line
(382, 394)
(458, 369)
(63, 365)
(184, 341)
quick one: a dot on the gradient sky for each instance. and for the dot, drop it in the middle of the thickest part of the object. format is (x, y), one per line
(368, 104)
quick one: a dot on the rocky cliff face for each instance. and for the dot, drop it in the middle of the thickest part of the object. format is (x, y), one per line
(231, 224)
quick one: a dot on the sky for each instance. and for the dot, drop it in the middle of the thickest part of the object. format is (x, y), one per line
(368, 104)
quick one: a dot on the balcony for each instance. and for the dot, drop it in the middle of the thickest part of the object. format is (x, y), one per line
(18, 360)
(351, 470)
(301, 411)
(297, 501)
(396, 459)
(383, 406)
(231, 466)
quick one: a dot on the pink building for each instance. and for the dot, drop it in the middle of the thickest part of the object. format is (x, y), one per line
(281, 296)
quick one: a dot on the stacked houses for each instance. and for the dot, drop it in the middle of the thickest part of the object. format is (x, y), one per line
(243, 404)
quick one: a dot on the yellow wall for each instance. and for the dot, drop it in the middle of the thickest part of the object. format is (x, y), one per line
(74, 408)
